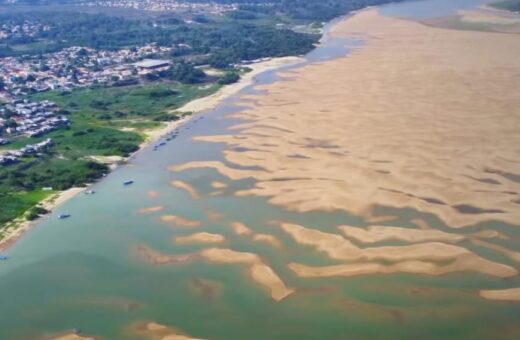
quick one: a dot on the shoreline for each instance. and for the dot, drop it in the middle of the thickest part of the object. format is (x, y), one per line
(17, 228)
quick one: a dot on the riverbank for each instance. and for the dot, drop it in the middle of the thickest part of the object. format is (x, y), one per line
(14, 230)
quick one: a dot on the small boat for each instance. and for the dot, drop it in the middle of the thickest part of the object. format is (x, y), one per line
(90, 192)
(3, 258)
(128, 182)
(63, 216)
(162, 143)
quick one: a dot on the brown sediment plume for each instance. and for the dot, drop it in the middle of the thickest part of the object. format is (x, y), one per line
(151, 210)
(153, 194)
(181, 221)
(241, 228)
(218, 185)
(155, 331)
(155, 257)
(202, 237)
(258, 270)
(214, 215)
(186, 187)
(113, 302)
(511, 294)
(390, 136)
(375, 234)
(432, 258)
(270, 239)
(206, 288)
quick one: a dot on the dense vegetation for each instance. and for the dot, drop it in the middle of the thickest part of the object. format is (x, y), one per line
(309, 10)
(221, 43)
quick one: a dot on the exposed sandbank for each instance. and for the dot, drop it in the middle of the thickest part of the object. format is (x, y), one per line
(181, 221)
(72, 336)
(258, 270)
(202, 237)
(420, 118)
(375, 234)
(269, 239)
(432, 258)
(512, 294)
(240, 228)
(155, 331)
(151, 210)
(186, 187)
(437, 138)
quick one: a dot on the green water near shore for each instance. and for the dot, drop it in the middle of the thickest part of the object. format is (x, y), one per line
(85, 272)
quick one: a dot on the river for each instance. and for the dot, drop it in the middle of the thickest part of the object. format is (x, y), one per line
(85, 272)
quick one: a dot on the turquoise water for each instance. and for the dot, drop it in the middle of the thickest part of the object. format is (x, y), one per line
(85, 272)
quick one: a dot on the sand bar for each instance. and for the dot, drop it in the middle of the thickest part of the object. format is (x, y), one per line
(258, 270)
(181, 221)
(202, 237)
(512, 294)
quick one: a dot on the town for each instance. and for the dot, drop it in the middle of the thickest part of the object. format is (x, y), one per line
(164, 6)
(11, 157)
(75, 67)
(64, 70)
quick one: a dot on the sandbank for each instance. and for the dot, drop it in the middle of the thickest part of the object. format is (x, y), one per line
(432, 258)
(181, 221)
(151, 210)
(202, 237)
(258, 270)
(186, 187)
(512, 294)
(155, 331)
(240, 228)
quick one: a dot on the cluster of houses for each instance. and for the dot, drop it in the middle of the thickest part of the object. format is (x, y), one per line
(75, 67)
(25, 28)
(208, 7)
(11, 157)
(30, 119)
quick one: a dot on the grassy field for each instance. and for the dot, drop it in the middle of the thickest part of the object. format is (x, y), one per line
(105, 121)
(16, 204)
